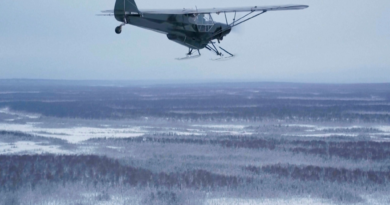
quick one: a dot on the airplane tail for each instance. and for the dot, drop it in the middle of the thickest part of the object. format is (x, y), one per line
(125, 7)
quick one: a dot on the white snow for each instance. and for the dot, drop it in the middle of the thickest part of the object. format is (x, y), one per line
(185, 133)
(323, 135)
(369, 200)
(347, 127)
(321, 128)
(222, 126)
(224, 129)
(7, 111)
(384, 128)
(113, 147)
(379, 139)
(30, 147)
(74, 134)
(232, 132)
(294, 201)
(332, 98)
(317, 131)
(302, 125)
(12, 120)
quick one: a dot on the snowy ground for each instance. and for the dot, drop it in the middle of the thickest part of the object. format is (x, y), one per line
(76, 131)
(27, 147)
(371, 200)
(313, 138)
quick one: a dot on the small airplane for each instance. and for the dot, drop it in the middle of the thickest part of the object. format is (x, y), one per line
(192, 28)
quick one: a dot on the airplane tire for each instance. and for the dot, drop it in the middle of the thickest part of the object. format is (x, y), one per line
(118, 30)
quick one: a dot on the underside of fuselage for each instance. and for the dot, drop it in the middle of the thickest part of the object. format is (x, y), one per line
(178, 29)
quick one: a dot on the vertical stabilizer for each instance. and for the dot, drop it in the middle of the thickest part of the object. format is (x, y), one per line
(125, 7)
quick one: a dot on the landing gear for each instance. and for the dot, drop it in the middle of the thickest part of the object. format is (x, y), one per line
(189, 55)
(118, 30)
(221, 56)
(190, 51)
(214, 49)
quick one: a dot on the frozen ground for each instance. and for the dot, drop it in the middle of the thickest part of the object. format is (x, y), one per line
(75, 131)
(194, 144)
(301, 201)
(73, 134)
(26, 147)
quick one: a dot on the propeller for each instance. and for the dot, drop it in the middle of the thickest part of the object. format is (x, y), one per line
(239, 30)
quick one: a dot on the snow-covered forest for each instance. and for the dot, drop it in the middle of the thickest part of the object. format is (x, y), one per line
(93, 142)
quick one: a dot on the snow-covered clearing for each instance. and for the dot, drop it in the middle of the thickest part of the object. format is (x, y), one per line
(222, 126)
(18, 115)
(30, 147)
(74, 134)
(301, 201)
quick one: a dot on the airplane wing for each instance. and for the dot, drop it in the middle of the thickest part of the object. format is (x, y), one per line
(227, 10)
(221, 10)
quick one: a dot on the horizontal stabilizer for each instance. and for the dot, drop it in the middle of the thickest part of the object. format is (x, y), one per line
(104, 14)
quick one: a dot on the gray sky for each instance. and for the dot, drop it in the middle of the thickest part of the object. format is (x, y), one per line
(332, 41)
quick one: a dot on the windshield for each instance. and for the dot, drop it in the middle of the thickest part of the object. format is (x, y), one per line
(204, 22)
(202, 19)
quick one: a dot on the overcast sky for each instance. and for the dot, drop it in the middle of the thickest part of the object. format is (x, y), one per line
(333, 42)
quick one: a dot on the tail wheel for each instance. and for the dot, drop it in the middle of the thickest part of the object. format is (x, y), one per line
(118, 30)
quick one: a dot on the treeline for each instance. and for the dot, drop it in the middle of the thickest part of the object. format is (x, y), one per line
(199, 107)
(226, 141)
(20, 136)
(355, 150)
(29, 171)
(330, 174)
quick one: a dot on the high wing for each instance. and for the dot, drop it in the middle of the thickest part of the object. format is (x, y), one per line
(221, 10)
(227, 10)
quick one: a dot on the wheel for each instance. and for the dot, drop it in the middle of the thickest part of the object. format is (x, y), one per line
(118, 30)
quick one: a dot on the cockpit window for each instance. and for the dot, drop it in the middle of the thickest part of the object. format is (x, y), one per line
(204, 22)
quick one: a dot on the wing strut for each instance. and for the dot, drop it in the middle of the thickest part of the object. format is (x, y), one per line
(226, 19)
(234, 24)
(238, 22)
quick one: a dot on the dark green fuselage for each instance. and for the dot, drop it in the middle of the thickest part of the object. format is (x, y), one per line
(178, 28)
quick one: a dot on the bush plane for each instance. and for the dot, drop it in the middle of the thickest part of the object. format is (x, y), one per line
(192, 28)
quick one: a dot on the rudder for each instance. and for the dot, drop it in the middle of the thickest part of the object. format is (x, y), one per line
(125, 6)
